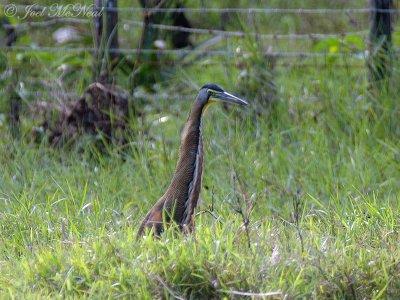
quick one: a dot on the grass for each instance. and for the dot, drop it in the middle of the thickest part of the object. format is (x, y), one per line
(312, 187)
(321, 174)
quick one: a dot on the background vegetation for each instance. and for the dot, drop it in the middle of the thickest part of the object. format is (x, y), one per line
(311, 185)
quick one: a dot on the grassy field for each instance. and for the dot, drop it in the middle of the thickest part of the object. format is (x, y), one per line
(321, 175)
(298, 202)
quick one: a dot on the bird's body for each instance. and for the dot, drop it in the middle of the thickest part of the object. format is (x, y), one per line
(180, 200)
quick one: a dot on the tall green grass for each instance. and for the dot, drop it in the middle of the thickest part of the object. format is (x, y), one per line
(320, 174)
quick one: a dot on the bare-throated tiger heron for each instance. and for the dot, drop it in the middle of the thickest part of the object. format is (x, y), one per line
(180, 199)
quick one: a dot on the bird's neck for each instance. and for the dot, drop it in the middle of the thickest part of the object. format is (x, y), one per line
(188, 175)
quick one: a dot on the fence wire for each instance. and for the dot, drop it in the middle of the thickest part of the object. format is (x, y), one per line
(47, 23)
(74, 95)
(242, 34)
(217, 32)
(182, 52)
(78, 8)
(82, 8)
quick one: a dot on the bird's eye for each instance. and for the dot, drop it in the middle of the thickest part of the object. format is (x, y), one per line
(209, 91)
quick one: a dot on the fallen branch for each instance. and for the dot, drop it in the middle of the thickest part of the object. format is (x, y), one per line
(240, 293)
(168, 288)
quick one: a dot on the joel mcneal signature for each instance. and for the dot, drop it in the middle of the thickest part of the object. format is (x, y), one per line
(54, 11)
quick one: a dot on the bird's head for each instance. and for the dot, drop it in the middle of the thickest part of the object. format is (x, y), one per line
(211, 93)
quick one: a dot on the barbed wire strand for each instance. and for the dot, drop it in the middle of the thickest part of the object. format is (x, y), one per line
(180, 52)
(47, 23)
(43, 94)
(244, 34)
(78, 8)
(194, 30)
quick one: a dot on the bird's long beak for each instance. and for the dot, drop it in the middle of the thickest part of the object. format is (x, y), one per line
(229, 98)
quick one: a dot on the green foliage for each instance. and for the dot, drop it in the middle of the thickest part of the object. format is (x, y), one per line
(69, 217)
(334, 46)
(321, 173)
(257, 73)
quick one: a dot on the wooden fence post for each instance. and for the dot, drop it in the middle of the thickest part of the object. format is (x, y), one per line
(14, 110)
(380, 47)
(112, 32)
(98, 39)
(106, 38)
(10, 37)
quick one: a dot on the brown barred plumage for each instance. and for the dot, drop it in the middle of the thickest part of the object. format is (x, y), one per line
(181, 198)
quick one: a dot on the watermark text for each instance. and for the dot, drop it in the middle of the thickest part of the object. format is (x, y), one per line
(54, 11)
